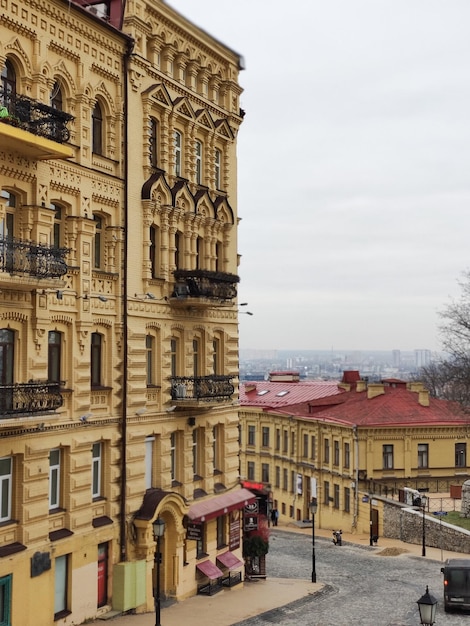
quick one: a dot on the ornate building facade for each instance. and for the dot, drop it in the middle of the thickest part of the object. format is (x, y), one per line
(118, 308)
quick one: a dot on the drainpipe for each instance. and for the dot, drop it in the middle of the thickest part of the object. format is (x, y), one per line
(356, 476)
(122, 504)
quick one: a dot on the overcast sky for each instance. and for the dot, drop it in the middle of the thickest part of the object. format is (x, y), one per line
(354, 167)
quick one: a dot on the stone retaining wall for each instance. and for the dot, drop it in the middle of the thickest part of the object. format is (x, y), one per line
(406, 523)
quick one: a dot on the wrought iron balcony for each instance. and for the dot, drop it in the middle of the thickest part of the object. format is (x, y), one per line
(33, 259)
(32, 397)
(35, 117)
(204, 285)
(190, 390)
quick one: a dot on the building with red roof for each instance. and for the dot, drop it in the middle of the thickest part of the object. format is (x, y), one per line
(344, 441)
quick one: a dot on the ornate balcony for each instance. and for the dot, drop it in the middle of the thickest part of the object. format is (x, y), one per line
(32, 259)
(21, 116)
(197, 390)
(32, 397)
(203, 288)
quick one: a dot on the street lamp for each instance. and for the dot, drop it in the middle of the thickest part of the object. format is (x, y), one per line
(158, 531)
(313, 509)
(423, 504)
(427, 606)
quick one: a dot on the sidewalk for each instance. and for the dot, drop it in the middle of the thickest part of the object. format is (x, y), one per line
(252, 598)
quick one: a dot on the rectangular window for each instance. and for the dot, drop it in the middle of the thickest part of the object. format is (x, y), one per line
(217, 168)
(278, 477)
(387, 451)
(221, 531)
(293, 482)
(460, 455)
(336, 453)
(285, 446)
(326, 493)
(54, 478)
(265, 435)
(292, 444)
(251, 435)
(54, 343)
(347, 500)
(178, 152)
(98, 242)
(60, 586)
(336, 496)
(218, 447)
(201, 544)
(96, 470)
(265, 472)
(326, 450)
(196, 358)
(153, 141)
(149, 444)
(5, 600)
(96, 359)
(154, 235)
(6, 485)
(278, 439)
(347, 455)
(150, 353)
(251, 470)
(284, 479)
(305, 446)
(313, 447)
(174, 456)
(197, 453)
(423, 455)
(198, 162)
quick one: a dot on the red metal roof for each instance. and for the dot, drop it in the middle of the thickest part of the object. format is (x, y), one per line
(395, 407)
(268, 394)
(219, 505)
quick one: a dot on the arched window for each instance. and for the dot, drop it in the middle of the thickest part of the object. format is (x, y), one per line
(179, 250)
(97, 129)
(56, 97)
(198, 162)
(8, 87)
(199, 253)
(57, 233)
(178, 152)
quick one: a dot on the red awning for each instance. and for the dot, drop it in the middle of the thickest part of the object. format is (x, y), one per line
(229, 560)
(210, 570)
(219, 505)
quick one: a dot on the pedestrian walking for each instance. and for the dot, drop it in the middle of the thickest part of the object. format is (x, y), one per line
(274, 516)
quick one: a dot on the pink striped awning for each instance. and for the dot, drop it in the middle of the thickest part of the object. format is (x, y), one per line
(229, 560)
(210, 570)
(220, 505)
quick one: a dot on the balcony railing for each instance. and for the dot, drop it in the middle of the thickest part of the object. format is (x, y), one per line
(31, 397)
(22, 257)
(216, 388)
(34, 116)
(218, 286)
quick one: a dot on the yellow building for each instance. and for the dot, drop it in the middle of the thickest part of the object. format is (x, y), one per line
(344, 444)
(118, 314)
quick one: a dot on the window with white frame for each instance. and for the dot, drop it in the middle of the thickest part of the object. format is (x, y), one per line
(54, 478)
(60, 585)
(6, 486)
(178, 146)
(218, 447)
(149, 446)
(97, 451)
(347, 455)
(217, 168)
(98, 242)
(198, 155)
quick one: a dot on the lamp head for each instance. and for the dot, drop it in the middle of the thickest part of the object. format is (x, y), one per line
(158, 527)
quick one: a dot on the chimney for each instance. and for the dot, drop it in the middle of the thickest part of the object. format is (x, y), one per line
(423, 397)
(416, 387)
(361, 385)
(374, 390)
(250, 387)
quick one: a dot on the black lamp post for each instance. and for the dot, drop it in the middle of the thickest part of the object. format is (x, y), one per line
(423, 504)
(158, 531)
(313, 509)
(427, 606)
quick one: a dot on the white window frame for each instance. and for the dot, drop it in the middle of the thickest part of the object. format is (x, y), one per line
(60, 584)
(6, 485)
(198, 149)
(149, 445)
(217, 167)
(97, 458)
(54, 480)
(178, 140)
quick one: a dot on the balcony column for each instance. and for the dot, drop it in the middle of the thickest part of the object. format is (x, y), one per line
(41, 222)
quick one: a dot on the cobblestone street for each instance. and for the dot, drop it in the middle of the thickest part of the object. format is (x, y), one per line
(361, 586)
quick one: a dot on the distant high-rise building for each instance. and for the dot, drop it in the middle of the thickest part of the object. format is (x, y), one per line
(422, 358)
(396, 358)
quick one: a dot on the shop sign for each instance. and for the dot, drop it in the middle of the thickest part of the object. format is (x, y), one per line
(234, 530)
(194, 532)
